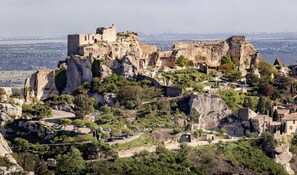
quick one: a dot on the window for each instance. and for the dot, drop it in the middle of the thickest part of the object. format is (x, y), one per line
(291, 127)
(86, 38)
(93, 38)
(293, 121)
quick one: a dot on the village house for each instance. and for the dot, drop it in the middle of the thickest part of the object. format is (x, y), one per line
(290, 124)
(283, 112)
(261, 123)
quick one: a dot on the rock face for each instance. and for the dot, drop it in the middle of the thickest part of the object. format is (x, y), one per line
(281, 152)
(210, 53)
(212, 110)
(125, 55)
(283, 157)
(40, 85)
(6, 152)
(78, 72)
(10, 108)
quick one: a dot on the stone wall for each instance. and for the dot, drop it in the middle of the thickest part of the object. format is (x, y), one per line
(108, 34)
(102, 34)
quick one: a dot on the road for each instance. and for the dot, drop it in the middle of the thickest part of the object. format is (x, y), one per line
(129, 139)
(57, 115)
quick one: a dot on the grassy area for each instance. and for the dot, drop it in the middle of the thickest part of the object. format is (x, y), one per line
(143, 140)
(187, 77)
(242, 154)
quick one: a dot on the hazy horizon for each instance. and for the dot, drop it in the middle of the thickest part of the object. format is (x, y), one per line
(53, 18)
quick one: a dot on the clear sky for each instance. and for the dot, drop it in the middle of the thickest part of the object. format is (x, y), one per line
(62, 17)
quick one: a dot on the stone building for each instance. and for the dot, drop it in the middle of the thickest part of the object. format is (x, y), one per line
(246, 114)
(290, 124)
(261, 123)
(102, 34)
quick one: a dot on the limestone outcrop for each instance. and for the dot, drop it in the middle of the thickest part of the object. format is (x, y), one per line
(283, 157)
(210, 53)
(122, 53)
(40, 85)
(10, 108)
(6, 152)
(212, 109)
(78, 72)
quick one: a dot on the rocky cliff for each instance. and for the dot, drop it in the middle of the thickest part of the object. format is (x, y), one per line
(40, 85)
(210, 53)
(6, 152)
(127, 56)
(10, 108)
(212, 110)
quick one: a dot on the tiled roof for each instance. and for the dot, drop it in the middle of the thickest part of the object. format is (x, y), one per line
(283, 111)
(292, 116)
(263, 118)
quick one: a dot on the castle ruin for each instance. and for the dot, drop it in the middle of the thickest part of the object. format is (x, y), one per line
(102, 34)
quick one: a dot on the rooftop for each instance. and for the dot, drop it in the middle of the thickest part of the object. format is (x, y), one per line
(283, 111)
(292, 116)
(262, 118)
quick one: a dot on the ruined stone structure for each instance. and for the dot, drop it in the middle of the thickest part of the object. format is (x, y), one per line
(122, 53)
(102, 34)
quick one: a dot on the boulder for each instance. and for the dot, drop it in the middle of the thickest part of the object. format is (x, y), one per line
(212, 110)
(283, 157)
(14, 111)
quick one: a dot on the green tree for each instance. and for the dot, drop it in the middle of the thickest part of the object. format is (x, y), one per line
(294, 140)
(27, 160)
(71, 163)
(266, 89)
(227, 64)
(252, 80)
(233, 75)
(181, 61)
(247, 102)
(78, 122)
(91, 125)
(22, 145)
(260, 105)
(65, 121)
(83, 105)
(275, 116)
(231, 97)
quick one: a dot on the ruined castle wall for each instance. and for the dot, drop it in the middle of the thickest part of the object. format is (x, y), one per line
(108, 34)
(77, 40)
(73, 43)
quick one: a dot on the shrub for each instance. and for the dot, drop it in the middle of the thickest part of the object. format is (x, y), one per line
(83, 105)
(181, 61)
(2, 91)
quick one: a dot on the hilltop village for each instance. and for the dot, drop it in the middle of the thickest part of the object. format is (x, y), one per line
(114, 97)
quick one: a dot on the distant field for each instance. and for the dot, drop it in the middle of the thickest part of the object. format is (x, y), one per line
(14, 79)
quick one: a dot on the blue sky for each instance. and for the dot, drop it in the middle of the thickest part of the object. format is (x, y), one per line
(61, 17)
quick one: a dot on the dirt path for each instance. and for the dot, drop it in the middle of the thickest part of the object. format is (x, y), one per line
(171, 146)
(58, 115)
(136, 136)
(132, 151)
